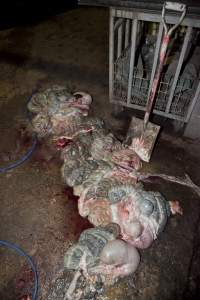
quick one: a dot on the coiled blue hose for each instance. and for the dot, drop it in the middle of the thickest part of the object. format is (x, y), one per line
(22, 159)
(8, 244)
(28, 153)
(29, 259)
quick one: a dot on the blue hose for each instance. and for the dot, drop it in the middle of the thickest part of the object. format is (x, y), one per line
(29, 259)
(28, 153)
(8, 244)
(22, 159)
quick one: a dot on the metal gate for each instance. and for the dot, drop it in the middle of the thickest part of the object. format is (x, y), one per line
(133, 60)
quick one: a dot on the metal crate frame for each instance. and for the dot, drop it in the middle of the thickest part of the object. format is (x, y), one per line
(117, 17)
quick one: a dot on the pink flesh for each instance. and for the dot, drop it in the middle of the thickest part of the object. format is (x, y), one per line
(143, 242)
(63, 142)
(127, 158)
(125, 176)
(126, 212)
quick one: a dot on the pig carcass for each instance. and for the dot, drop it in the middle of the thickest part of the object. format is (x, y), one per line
(141, 214)
(100, 252)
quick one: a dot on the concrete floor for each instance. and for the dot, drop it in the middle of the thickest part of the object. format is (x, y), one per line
(36, 211)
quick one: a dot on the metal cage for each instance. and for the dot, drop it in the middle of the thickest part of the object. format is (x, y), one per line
(131, 77)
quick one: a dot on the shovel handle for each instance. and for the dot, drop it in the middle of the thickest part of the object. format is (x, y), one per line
(176, 7)
(164, 45)
(152, 96)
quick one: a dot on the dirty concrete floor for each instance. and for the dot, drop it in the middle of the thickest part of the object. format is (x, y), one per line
(36, 212)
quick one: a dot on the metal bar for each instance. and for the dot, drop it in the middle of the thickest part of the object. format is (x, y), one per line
(111, 56)
(119, 41)
(134, 78)
(118, 23)
(156, 55)
(127, 33)
(133, 17)
(112, 12)
(164, 96)
(132, 58)
(155, 111)
(140, 31)
(140, 83)
(179, 96)
(153, 17)
(179, 66)
(191, 107)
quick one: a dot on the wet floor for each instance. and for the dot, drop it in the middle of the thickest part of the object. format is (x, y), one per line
(37, 212)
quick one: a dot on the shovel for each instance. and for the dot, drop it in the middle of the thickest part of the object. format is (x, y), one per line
(144, 132)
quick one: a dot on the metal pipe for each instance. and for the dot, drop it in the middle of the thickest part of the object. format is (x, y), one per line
(194, 100)
(152, 17)
(118, 23)
(156, 55)
(158, 112)
(127, 33)
(132, 58)
(111, 56)
(119, 40)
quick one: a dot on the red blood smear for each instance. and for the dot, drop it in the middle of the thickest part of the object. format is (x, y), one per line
(25, 297)
(23, 136)
(62, 143)
(76, 224)
(24, 282)
(45, 153)
(20, 284)
(68, 191)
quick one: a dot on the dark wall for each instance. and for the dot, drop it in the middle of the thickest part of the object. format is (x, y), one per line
(18, 12)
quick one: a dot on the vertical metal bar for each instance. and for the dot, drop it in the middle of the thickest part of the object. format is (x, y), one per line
(111, 55)
(178, 97)
(191, 107)
(165, 95)
(140, 82)
(178, 69)
(119, 40)
(132, 58)
(139, 30)
(156, 55)
(127, 33)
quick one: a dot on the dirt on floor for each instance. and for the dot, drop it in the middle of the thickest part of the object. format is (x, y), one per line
(37, 212)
